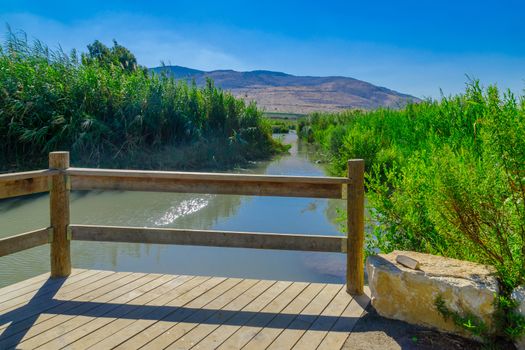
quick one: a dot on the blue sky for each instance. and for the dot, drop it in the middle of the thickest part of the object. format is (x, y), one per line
(416, 47)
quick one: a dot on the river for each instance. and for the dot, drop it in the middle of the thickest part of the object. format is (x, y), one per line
(195, 211)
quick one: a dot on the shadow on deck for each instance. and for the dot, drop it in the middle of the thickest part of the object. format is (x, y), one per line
(131, 310)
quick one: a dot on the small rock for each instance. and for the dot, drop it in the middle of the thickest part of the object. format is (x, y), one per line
(407, 262)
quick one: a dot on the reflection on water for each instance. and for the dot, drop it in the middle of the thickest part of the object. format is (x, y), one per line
(196, 211)
(180, 209)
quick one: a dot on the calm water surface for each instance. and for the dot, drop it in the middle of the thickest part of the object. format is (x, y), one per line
(222, 212)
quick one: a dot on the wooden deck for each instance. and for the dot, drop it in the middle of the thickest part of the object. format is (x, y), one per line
(125, 310)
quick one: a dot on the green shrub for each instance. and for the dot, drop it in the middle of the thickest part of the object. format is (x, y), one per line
(443, 177)
(108, 111)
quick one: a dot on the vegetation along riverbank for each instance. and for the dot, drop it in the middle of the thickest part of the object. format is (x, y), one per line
(108, 111)
(443, 177)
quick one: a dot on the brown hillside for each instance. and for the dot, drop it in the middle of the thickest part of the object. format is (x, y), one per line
(281, 92)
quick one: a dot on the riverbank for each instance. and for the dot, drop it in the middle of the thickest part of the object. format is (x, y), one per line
(108, 111)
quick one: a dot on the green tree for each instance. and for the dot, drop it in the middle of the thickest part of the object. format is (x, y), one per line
(117, 55)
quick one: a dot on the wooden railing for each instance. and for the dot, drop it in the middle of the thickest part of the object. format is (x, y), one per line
(60, 178)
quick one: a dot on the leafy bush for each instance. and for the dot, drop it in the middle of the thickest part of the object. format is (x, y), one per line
(281, 126)
(443, 177)
(108, 111)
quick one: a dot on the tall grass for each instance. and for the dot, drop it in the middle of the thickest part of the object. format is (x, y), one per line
(111, 114)
(443, 177)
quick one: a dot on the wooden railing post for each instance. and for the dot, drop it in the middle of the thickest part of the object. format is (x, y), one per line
(356, 227)
(59, 210)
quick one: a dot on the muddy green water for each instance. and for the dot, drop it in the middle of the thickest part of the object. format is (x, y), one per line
(222, 212)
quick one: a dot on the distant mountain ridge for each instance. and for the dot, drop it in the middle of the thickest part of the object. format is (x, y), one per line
(286, 93)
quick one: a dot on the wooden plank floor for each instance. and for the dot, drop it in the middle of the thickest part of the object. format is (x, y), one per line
(102, 310)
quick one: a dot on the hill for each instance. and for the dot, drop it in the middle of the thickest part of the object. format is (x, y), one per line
(286, 93)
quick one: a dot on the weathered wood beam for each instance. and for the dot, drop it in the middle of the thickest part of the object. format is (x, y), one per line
(281, 189)
(27, 175)
(20, 184)
(23, 241)
(355, 274)
(177, 175)
(59, 215)
(231, 239)
(213, 183)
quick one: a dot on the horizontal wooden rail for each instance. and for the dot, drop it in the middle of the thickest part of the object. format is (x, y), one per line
(27, 175)
(232, 239)
(23, 241)
(59, 179)
(182, 175)
(240, 184)
(20, 184)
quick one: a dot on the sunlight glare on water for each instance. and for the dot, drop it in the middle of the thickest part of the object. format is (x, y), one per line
(182, 208)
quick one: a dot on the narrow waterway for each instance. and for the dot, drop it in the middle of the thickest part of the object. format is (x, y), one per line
(222, 212)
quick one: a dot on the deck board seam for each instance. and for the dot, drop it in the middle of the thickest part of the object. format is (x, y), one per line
(102, 309)
(39, 311)
(206, 280)
(16, 306)
(277, 315)
(63, 301)
(237, 312)
(185, 279)
(139, 276)
(214, 312)
(269, 321)
(25, 318)
(143, 280)
(296, 315)
(257, 283)
(261, 309)
(333, 325)
(34, 285)
(34, 280)
(321, 314)
(238, 282)
(176, 308)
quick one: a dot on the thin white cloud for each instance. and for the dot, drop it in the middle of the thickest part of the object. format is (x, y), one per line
(208, 47)
(152, 43)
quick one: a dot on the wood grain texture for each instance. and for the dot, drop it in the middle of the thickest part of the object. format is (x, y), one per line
(22, 187)
(23, 241)
(59, 212)
(261, 188)
(208, 238)
(259, 312)
(262, 336)
(27, 175)
(178, 175)
(217, 332)
(326, 320)
(62, 329)
(304, 320)
(355, 274)
(335, 339)
(103, 309)
(111, 326)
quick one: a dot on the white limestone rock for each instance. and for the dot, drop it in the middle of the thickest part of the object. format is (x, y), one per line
(409, 295)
